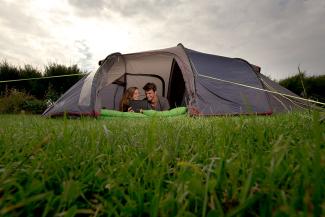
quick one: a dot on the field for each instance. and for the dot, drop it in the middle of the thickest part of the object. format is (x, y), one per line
(220, 166)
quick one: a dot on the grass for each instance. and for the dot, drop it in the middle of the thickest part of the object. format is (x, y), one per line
(223, 166)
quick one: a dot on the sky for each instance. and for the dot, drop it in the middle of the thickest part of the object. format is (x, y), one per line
(277, 35)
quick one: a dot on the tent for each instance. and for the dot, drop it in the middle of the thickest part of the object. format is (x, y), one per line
(207, 84)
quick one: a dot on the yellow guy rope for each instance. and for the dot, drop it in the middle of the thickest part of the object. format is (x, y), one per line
(29, 79)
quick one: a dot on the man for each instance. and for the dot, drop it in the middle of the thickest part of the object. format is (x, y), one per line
(155, 102)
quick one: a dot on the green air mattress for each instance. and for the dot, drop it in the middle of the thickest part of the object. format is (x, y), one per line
(114, 113)
(170, 113)
(179, 111)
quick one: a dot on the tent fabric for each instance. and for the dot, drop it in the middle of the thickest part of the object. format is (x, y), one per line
(185, 77)
(215, 96)
(280, 103)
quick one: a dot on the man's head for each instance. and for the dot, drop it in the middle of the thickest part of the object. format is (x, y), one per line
(150, 91)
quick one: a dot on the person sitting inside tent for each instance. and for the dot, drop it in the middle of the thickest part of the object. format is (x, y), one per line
(132, 93)
(155, 102)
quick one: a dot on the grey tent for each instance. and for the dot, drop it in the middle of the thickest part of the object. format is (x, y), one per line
(207, 84)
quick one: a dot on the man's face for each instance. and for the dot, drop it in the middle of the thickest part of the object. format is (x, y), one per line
(150, 94)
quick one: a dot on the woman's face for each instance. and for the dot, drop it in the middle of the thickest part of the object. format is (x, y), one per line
(136, 95)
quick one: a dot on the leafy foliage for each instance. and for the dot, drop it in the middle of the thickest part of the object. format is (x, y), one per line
(41, 91)
(39, 88)
(17, 102)
(312, 87)
(61, 85)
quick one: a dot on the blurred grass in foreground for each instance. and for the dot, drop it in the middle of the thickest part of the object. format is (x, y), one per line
(222, 166)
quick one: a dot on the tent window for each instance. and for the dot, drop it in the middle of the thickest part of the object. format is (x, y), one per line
(176, 87)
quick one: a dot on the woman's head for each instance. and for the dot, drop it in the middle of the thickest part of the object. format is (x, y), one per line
(132, 93)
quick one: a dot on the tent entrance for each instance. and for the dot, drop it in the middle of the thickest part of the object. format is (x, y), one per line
(176, 91)
(139, 80)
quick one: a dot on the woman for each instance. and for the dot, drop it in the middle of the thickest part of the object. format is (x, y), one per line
(132, 93)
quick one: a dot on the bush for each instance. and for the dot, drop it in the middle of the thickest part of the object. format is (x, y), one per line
(62, 84)
(50, 89)
(51, 95)
(34, 106)
(309, 87)
(11, 72)
(15, 102)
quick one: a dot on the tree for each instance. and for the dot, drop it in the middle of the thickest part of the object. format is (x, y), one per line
(39, 88)
(32, 87)
(62, 84)
(8, 72)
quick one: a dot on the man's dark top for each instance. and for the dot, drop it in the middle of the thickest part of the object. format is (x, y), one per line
(162, 104)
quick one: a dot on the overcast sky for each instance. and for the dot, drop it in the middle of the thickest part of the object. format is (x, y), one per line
(278, 35)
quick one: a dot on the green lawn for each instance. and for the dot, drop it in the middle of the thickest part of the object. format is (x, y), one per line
(219, 166)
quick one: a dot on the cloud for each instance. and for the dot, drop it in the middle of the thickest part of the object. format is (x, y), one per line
(127, 9)
(14, 18)
(278, 35)
(88, 7)
(85, 56)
